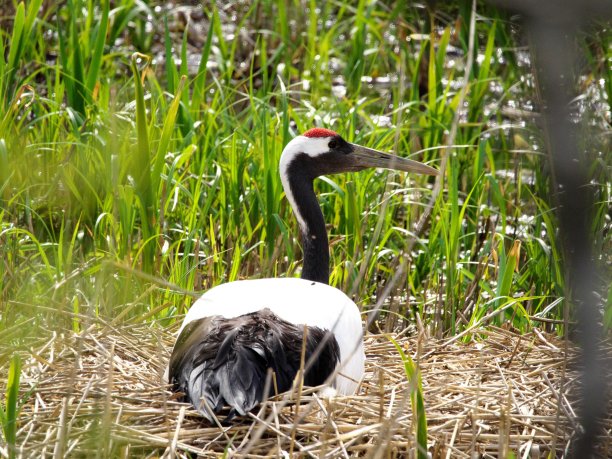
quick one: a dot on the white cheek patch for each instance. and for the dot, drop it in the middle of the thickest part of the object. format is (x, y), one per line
(311, 146)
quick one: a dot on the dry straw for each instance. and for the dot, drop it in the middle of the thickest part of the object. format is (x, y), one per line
(100, 394)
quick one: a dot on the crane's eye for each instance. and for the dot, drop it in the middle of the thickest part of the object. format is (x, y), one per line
(332, 144)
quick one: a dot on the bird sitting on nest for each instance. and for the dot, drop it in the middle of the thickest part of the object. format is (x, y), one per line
(239, 333)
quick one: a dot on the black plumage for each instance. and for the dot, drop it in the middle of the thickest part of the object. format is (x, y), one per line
(226, 361)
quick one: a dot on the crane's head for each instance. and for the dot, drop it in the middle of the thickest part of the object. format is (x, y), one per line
(321, 151)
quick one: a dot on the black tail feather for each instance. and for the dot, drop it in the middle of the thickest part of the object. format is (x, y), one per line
(219, 362)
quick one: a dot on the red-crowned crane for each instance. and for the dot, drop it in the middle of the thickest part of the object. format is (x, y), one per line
(237, 332)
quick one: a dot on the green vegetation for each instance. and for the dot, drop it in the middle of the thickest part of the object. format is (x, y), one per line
(10, 412)
(416, 400)
(139, 152)
(115, 165)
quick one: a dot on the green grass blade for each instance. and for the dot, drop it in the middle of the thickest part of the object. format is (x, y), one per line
(508, 264)
(485, 67)
(21, 38)
(33, 9)
(3, 80)
(183, 70)
(141, 164)
(164, 141)
(171, 73)
(96, 59)
(416, 399)
(122, 15)
(143, 152)
(482, 84)
(441, 54)
(184, 117)
(9, 415)
(64, 60)
(79, 93)
(4, 171)
(200, 78)
(217, 27)
(16, 48)
(355, 62)
(432, 86)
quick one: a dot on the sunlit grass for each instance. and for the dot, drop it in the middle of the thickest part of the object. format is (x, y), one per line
(9, 410)
(128, 178)
(175, 174)
(137, 169)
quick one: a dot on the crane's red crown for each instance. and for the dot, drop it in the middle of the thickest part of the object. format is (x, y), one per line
(319, 132)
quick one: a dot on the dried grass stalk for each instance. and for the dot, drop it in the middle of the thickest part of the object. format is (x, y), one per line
(102, 392)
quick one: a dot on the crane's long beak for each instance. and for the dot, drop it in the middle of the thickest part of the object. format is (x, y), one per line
(368, 157)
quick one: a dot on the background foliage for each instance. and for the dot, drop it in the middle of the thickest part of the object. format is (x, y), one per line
(139, 146)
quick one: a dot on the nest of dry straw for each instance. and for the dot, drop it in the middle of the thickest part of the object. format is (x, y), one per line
(100, 393)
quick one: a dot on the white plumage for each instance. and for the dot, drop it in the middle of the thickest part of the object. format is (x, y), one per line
(298, 301)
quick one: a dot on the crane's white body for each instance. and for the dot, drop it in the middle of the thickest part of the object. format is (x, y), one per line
(298, 301)
(223, 370)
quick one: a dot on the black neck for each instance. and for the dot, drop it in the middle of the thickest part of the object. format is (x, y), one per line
(312, 229)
